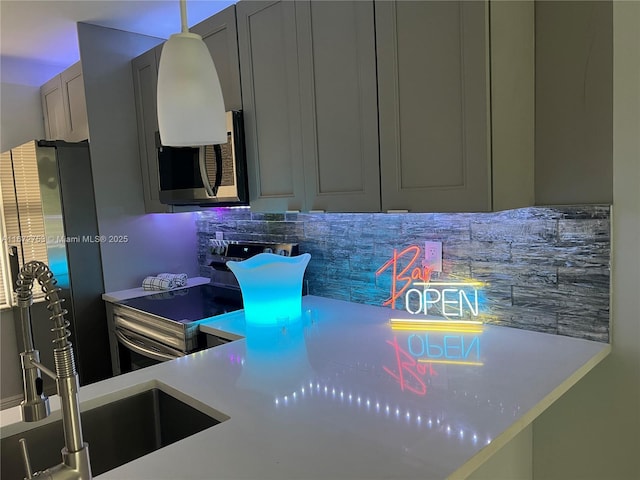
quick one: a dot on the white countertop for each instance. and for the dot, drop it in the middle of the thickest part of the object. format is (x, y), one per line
(121, 295)
(325, 400)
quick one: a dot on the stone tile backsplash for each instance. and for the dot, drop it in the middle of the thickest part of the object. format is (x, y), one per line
(543, 269)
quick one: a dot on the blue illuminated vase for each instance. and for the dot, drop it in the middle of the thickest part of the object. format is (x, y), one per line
(271, 287)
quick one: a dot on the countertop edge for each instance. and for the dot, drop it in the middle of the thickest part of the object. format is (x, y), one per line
(120, 295)
(527, 419)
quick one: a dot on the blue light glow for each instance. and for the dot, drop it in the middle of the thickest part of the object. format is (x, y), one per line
(271, 287)
(58, 265)
(275, 357)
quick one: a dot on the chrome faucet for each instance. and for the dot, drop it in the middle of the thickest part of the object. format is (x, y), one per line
(35, 406)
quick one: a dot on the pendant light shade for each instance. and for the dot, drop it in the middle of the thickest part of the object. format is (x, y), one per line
(190, 104)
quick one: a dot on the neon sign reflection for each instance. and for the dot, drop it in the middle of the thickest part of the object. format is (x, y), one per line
(416, 356)
(445, 349)
(429, 343)
(409, 373)
(429, 325)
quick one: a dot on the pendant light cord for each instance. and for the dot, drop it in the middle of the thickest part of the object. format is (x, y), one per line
(183, 16)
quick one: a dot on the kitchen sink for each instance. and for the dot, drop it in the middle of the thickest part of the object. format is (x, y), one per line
(117, 432)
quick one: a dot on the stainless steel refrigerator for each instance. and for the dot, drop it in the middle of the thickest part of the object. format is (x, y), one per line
(73, 255)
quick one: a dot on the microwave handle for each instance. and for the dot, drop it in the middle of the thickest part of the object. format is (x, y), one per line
(203, 174)
(217, 151)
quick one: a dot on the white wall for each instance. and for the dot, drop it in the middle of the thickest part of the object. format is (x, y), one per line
(157, 242)
(511, 462)
(20, 115)
(593, 432)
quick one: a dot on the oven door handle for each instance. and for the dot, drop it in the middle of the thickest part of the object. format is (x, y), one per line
(147, 352)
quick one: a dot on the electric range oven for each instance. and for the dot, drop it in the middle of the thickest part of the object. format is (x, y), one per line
(163, 326)
(148, 330)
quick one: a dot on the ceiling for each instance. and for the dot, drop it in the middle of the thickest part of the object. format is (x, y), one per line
(38, 38)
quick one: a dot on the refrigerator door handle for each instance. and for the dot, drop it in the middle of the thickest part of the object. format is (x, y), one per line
(14, 266)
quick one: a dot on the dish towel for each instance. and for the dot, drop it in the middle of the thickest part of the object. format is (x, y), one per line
(178, 279)
(164, 281)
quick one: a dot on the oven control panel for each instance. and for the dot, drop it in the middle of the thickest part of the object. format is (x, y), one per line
(224, 250)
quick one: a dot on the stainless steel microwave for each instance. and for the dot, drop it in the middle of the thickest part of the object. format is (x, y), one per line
(213, 175)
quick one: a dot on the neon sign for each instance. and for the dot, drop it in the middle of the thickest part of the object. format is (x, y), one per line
(406, 275)
(449, 299)
(452, 301)
(430, 341)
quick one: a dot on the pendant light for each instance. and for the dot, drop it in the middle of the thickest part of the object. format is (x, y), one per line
(190, 104)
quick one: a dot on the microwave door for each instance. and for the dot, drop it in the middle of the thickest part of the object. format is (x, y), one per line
(205, 175)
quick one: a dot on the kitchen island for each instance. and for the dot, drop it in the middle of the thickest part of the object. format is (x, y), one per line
(342, 395)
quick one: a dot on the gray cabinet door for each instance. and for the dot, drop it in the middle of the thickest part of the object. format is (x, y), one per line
(64, 106)
(220, 35)
(432, 74)
(574, 102)
(270, 94)
(75, 104)
(145, 86)
(337, 60)
(53, 109)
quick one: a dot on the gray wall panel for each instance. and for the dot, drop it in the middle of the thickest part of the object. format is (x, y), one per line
(153, 243)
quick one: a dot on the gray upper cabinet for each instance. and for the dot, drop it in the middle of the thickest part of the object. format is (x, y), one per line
(75, 103)
(145, 86)
(53, 109)
(337, 61)
(423, 106)
(271, 99)
(437, 121)
(433, 106)
(64, 106)
(574, 102)
(220, 36)
(309, 93)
